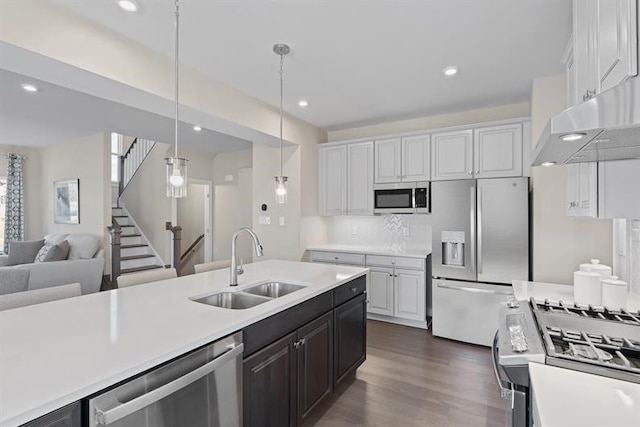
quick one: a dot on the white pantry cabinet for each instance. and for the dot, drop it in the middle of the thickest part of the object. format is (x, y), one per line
(498, 151)
(605, 50)
(346, 179)
(403, 159)
(452, 155)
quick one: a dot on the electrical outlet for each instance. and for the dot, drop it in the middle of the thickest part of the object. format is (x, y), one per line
(354, 230)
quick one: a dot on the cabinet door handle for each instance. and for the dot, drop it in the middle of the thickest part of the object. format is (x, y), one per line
(390, 275)
(354, 290)
(335, 257)
(395, 275)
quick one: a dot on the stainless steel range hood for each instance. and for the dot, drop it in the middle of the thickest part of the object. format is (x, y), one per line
(608, 122)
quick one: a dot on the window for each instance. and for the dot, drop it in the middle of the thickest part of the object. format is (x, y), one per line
(116, 151)
(3, 204)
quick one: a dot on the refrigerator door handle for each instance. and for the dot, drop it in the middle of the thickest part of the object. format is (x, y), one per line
(479, 229)
(472, 227)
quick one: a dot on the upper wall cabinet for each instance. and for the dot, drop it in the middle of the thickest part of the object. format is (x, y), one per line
(346, 179)
(605, 45)
(402, 159)
(497, 151)
(333, 180)
(452, 155)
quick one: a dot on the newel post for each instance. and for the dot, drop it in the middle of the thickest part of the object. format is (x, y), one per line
(177, 242)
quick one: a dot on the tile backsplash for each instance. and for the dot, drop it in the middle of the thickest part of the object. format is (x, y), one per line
(396, 233)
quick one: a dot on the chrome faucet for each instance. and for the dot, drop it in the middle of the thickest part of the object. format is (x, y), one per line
(234, 263)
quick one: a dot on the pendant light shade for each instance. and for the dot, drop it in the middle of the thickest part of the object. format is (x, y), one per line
(281, 180)
(176, 166)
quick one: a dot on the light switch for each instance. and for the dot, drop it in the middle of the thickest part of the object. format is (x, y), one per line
(281, 221)
(354, 230)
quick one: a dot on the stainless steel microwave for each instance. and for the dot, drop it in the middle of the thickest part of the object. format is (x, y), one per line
(401, 197)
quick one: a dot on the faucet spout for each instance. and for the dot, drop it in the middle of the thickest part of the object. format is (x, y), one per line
(233, 280)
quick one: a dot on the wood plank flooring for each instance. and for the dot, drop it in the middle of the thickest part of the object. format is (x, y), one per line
(411, 378)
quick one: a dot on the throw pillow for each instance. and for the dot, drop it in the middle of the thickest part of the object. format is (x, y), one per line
(24, 252)
(82, 246)
(50, 252)
(55, 238)
(13, 280)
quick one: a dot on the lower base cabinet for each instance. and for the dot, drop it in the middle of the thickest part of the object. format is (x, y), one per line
(350, 326)
(284, 381)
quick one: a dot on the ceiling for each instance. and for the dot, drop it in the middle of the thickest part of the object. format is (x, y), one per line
(358, 62)
(56, 114)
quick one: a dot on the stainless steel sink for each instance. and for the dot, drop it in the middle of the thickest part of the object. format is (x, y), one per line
(273, 289)
(232, 300)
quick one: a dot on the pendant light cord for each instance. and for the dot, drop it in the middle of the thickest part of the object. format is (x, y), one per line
(281, 98)
(176, 72)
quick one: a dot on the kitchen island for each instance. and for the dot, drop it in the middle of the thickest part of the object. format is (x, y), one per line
(56, 353)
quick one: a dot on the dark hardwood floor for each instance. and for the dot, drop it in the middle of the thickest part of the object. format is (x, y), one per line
(411, 378)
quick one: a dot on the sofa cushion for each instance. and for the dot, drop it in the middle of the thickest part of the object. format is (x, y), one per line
(51, 252)
(82, 246)
(55, 238)
(13, 280)
(24, 252)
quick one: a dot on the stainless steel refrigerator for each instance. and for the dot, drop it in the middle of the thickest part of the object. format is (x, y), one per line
(480, 243)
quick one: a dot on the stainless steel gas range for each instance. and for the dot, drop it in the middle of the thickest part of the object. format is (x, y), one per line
(589, 339)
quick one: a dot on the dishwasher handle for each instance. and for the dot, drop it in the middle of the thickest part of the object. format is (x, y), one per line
(506, 388)
(128, 408)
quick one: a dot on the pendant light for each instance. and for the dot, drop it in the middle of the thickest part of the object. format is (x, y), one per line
(176, 166)
(281, 180)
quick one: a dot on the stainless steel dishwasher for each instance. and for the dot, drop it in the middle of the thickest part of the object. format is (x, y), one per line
(200, 389)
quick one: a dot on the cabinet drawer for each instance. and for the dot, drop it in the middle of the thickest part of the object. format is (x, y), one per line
(337, 257)
(398, 262)
(349, 290)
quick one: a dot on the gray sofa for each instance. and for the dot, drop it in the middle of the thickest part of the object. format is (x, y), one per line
(85, 264)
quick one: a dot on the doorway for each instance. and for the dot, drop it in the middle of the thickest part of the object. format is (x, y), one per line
(194, 216)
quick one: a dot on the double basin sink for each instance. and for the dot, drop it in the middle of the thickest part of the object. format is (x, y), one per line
(250, 297)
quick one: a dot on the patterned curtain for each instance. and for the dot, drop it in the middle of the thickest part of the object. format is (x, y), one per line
(14, 211)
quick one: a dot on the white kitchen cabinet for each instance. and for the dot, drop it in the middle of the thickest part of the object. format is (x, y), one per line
(409, 294)
(360, 179)
(605, 51)
(618, 189)
(344, 258)
(346, 179)
(380, 291)
(402, 159)
(582, 190)
(333, 180)
(616, 41)
(498, 151)
(570, 74)
(452, 155)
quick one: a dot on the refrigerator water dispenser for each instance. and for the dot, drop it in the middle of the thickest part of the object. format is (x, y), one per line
(453, 248)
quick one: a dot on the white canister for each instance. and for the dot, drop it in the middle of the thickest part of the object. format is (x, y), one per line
(587, 288)
(614, 293)
(596, 267)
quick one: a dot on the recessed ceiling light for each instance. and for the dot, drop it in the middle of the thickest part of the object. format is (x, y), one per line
(197, 128)
(573, 136)
(303, 103)
(547, 164)
(28, 87)
(128, 5)
(450, 71)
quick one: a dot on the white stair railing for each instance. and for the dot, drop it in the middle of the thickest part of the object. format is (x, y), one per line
(131, 161)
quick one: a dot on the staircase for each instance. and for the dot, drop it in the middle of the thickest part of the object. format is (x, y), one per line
(135, 252)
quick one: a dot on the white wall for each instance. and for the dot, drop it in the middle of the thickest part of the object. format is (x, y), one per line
(228, 163)
(548, 97)
(31, 26)
(504, 112)
(88, 159)
(191, 218)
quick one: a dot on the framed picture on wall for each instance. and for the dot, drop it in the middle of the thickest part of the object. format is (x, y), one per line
(66, 201)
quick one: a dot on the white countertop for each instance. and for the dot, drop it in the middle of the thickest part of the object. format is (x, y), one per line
(373, 250)
(524, 290)
(566, 398)
(55, 353)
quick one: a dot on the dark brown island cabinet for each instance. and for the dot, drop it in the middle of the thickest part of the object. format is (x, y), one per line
(295, 359)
